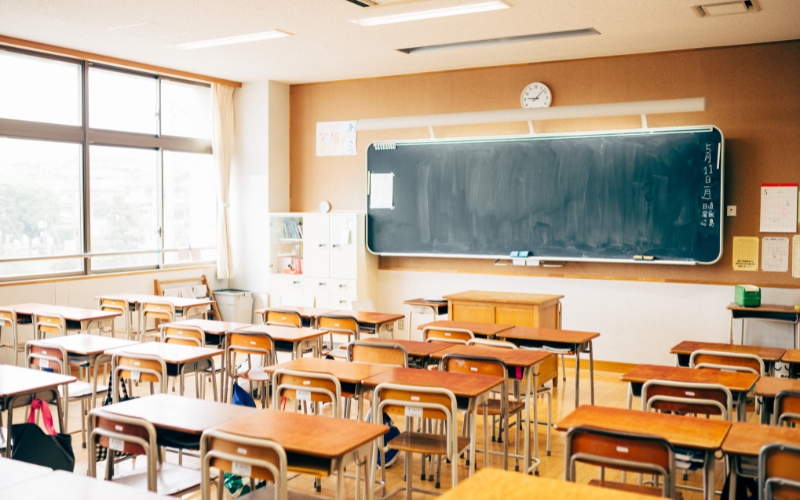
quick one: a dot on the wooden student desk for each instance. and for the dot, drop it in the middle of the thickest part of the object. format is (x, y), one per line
(558, 339)
(685, 432)
(215, 330)
(435, 307)
(765, 312)
(374, 320)
(20, 386)
(768, 388)
(491, 484)
(521, 309)
(414, 348)
(769, 354)
(792, 356)
(744, 442)
(488, 330)
(14, 472)
(334, 442)
(739, 383)
(78, 319)
(307, 314)
(287, 338)
(74, 486)
(463, 385)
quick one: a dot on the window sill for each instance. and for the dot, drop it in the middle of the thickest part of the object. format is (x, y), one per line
(112, 274)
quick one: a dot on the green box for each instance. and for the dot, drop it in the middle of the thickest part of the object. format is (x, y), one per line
(748, 295)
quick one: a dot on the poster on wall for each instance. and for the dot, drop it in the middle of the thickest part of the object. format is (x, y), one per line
(779, 208)
(336, 138)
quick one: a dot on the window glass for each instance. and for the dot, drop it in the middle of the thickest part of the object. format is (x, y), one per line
(185, 109)
(39, 89)
(40, 206)
(124, 208)
(190, 207)
(122, 101)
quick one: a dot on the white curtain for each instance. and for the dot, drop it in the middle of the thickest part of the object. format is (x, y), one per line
(222, 143)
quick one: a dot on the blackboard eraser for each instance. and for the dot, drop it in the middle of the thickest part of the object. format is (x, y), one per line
(644, 257)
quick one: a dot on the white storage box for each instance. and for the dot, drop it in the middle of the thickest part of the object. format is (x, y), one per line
(235, 305)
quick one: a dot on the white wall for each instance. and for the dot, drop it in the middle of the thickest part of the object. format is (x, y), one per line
(638, 321)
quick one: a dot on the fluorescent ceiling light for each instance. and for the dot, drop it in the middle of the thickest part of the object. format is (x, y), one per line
(498, 41)
(252, 37)
(430, 14)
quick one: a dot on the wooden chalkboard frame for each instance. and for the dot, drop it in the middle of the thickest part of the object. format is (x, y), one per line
(378, 145)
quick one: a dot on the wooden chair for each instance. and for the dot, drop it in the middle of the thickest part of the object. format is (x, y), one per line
(339, 325)
(136, 436)
(8, 321)
(42, 355)
(378, 353)
(193, 336)
(727, 361)
(123, 307)
(622, 451)
(137, 368)
(250, 346)
(452, 335)
(309, 387)
(688, 397)
(779, 471)
(158, 311)
(256, 459)
(45, 324)
(787, 408)
(281, 317)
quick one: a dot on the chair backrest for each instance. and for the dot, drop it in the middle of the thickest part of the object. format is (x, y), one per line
(622, 451)
(182, 334)
(259, 459)
(378, 353)
(160, 310)
(281, 317)
(787, 407)
(459, 363)
(731, 361)
(307, 386)
(40, 354)
(501, 344)
(137, 367)
(452, 335)
(688, 397)
(344, 325)
(123, 434)
(107, 304)
(8, 318)
(48, 324)
(779, 471)
(248, 344)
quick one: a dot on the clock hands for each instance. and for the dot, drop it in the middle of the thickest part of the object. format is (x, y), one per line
(537, 96)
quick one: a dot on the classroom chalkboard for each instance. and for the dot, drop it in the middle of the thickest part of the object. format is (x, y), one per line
(611, 196)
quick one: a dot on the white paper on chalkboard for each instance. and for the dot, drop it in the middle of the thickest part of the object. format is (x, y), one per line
(779, 208)
(775, 255)
(795, 256)
(381, 192)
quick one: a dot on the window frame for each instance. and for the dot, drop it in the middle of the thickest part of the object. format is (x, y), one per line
(86, 137)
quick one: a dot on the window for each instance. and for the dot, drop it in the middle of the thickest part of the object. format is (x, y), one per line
(134, 188)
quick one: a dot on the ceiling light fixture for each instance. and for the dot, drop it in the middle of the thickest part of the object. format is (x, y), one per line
(498, 41)
(433, 13)
(252, 37)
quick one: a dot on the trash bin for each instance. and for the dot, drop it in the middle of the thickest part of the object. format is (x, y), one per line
(235, 305)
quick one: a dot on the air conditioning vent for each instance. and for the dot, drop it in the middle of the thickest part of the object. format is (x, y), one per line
(726, 8)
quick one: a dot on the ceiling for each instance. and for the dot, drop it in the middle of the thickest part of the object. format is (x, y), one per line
(326, 46)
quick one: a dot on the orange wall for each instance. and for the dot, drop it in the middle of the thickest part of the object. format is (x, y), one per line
(753, 94)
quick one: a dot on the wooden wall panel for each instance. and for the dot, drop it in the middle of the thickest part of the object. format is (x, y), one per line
(754, 98)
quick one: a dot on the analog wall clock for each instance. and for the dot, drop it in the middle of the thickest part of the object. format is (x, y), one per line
(536, 95)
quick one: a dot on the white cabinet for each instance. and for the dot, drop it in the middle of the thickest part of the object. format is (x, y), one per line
(335, 266)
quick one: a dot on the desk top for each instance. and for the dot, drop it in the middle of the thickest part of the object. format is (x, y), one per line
(769, 387)
(548, 335)
(15, 380)
(313, 435)
(69, 313)
(211, 326)
(73, 486)
(763, 308)
(689, 432)
(466, 385)
(765, 353)
(178, 302)
(349, 373)
(748, 438)
(284, 333)
(179, 413)
(483, 329)
(791, 356)
(173, 354)
(504, 297)
(420, 302)
(304, 312)
(511, 357)
(734, 381)
(370, 318)
(414, 348)
(88, 345)
(490, 484)
(14, 472)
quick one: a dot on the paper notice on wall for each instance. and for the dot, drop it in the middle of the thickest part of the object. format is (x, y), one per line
(745, 253)
(779, 208)
(336, 138)
(775, 255)
(381, 191)
(796, 257)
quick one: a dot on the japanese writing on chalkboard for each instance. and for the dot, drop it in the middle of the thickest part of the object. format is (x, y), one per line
(710, 210)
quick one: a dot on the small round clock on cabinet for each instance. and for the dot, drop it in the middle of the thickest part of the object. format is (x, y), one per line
(536, 95)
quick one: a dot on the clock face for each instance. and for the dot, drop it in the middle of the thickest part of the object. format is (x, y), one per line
(535, 95)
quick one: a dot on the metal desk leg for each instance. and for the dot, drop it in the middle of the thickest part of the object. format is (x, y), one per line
(591, 370)
(708, 476)
(730, 330)
(732, 484)
(741, 408)
(408, 326)
(473, 430)
(535, 423)
(526, 440)
(577, 375)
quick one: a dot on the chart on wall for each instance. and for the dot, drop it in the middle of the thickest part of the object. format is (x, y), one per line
(612, 196)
